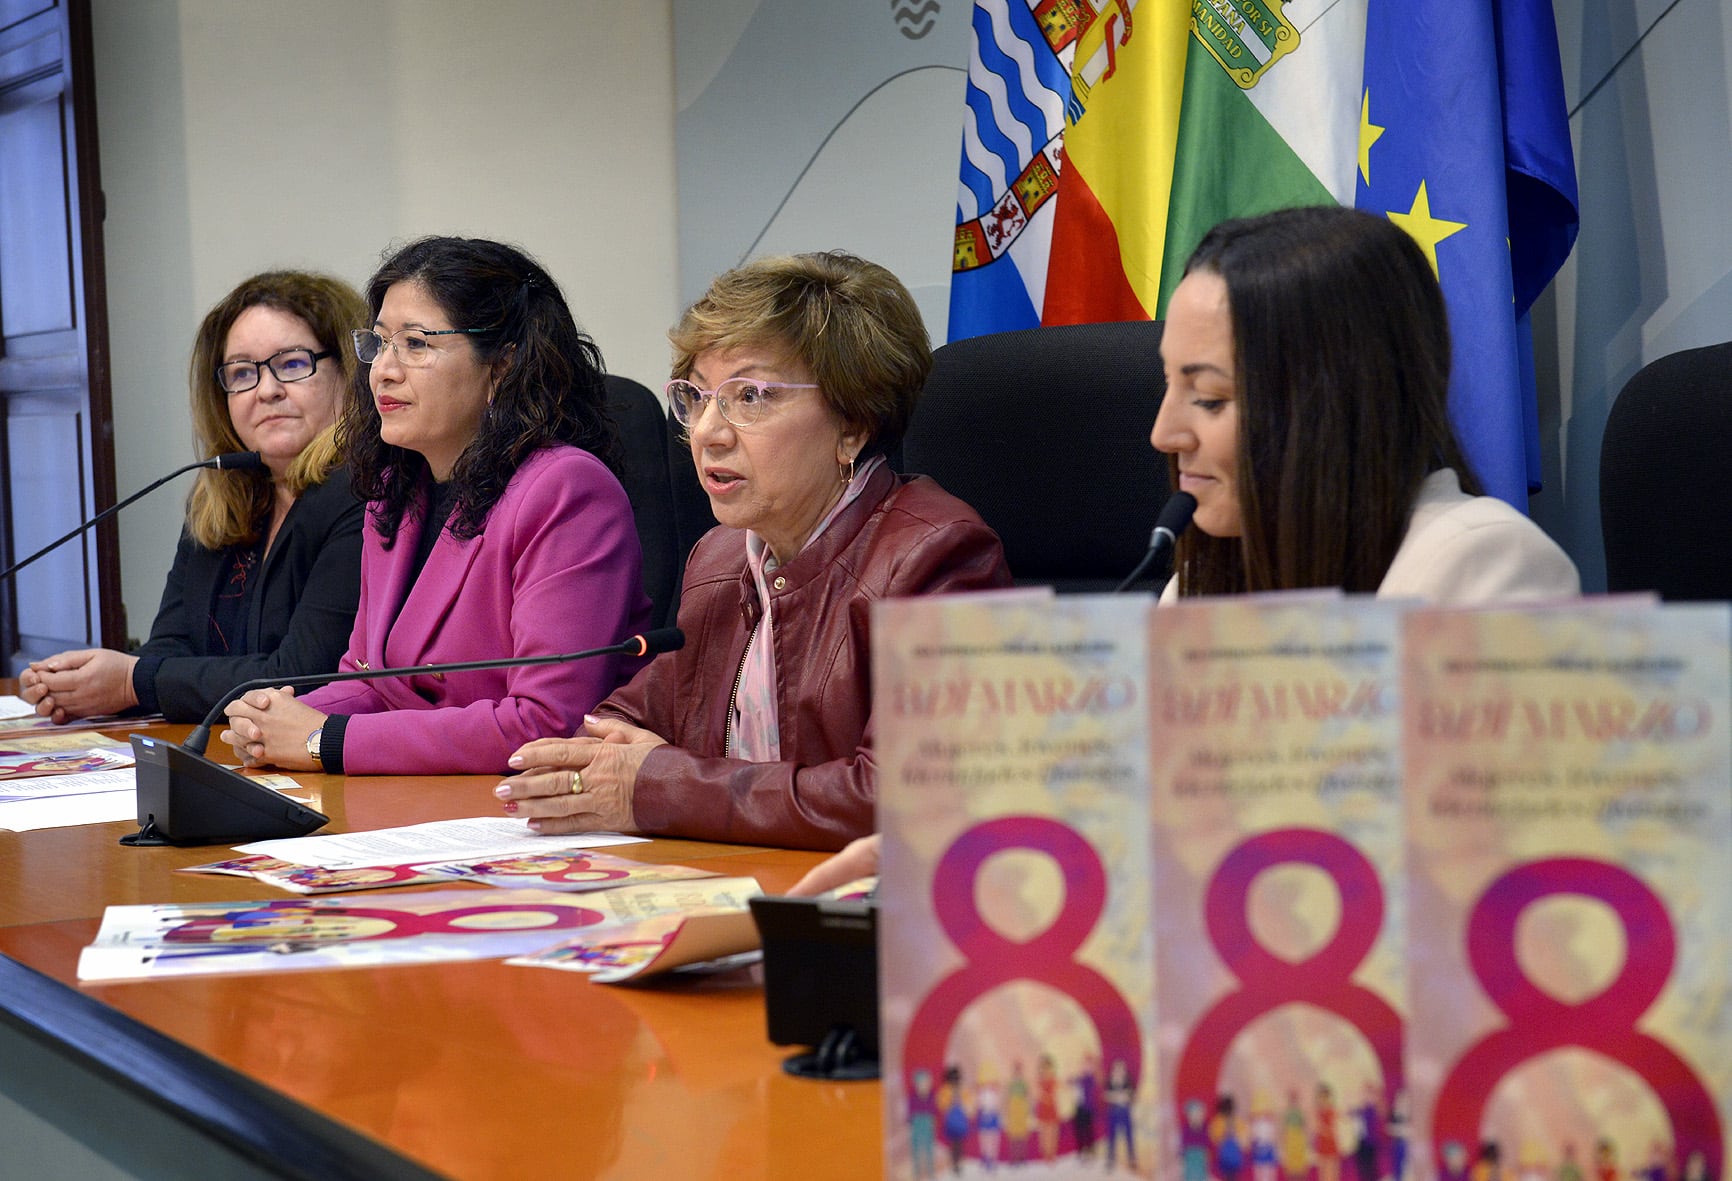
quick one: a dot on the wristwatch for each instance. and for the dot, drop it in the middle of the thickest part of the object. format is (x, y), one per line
(313, 745)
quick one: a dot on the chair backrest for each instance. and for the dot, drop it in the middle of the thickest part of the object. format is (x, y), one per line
(1666, 478)
(692, 515)
(1046, 433)
(638, 417)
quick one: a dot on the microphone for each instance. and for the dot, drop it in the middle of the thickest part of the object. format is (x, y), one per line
(1174, 519)
(650, 643)
(186, 799)
(230, 461)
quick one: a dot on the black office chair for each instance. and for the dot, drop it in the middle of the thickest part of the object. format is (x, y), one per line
(638, 417)
(692, 515)
(1666, 478)
(1046, 433)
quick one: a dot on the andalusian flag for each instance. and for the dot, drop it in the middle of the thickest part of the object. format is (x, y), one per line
(1102, 142)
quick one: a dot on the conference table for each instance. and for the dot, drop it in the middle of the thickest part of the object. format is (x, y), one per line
(468, 1070)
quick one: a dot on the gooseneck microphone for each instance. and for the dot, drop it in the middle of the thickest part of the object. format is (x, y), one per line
(186, 799)
(650, 643)
(229, 461)
(1174, 519)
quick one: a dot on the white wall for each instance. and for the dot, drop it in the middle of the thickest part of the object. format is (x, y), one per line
(237, 136)
(849, 116)
(551, 123)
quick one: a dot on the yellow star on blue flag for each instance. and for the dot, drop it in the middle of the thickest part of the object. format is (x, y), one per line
(1472, 157)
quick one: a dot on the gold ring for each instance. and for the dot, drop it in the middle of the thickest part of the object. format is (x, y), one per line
(577, 783)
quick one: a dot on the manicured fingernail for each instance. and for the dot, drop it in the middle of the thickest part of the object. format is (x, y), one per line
(591, 720)
(503, 791)
(534, 824)
(511, 807)
(515, 761)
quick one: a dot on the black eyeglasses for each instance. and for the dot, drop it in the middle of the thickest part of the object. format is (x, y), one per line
(286, 365)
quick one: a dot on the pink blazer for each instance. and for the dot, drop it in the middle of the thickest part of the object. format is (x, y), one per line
(557, 568)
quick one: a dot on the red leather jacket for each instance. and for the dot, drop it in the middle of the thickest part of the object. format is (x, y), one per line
(903, 536)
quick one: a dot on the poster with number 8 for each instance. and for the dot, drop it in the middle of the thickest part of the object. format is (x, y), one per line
(1570, 850)
(1275, 729)
(1014, 931)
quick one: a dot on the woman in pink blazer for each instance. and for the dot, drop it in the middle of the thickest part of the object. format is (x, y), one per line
(495, 527)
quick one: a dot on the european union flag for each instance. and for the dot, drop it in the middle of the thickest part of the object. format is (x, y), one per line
(1464, 142)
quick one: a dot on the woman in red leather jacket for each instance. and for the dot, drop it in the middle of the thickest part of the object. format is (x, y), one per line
(793, 377)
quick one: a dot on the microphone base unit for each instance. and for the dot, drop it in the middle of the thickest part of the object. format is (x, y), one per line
(839, 1058)
(186, 799)
(821, 983)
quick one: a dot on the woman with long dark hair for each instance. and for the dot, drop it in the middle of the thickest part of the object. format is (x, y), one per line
(1307, 355)
(496, 527)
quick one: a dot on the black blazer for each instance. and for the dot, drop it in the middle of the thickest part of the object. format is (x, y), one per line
(298, 621)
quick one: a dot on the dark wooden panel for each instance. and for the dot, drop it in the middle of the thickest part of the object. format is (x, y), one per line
(58, 452)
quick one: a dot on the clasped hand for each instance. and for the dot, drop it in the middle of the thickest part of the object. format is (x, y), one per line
(579, 784)
(270, 726)
(82, 683)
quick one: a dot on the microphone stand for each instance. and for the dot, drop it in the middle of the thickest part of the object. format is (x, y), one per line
(1174, 519)
(235, 460)
(199, 738)
(185, 798)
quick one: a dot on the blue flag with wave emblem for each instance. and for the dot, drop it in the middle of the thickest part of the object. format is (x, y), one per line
(1012, 137)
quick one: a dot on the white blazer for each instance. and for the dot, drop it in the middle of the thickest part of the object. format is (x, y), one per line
(1464, 551)
(1461, 551)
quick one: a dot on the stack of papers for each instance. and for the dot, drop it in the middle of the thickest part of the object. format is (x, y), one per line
(69, 777)
(711, 938)
(28, 764)
(438, 840)
(628, 920)
(12, 706)
(52, 780)
(149, 942)
(571, 871)
(18, 716)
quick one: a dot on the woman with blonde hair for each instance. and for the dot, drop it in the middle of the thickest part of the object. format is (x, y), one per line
(265, 577)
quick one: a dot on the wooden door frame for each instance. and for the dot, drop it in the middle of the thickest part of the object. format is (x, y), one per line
(104, 612)
(92, 211)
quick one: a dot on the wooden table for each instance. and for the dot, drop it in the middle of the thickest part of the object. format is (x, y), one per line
(465, 1070)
